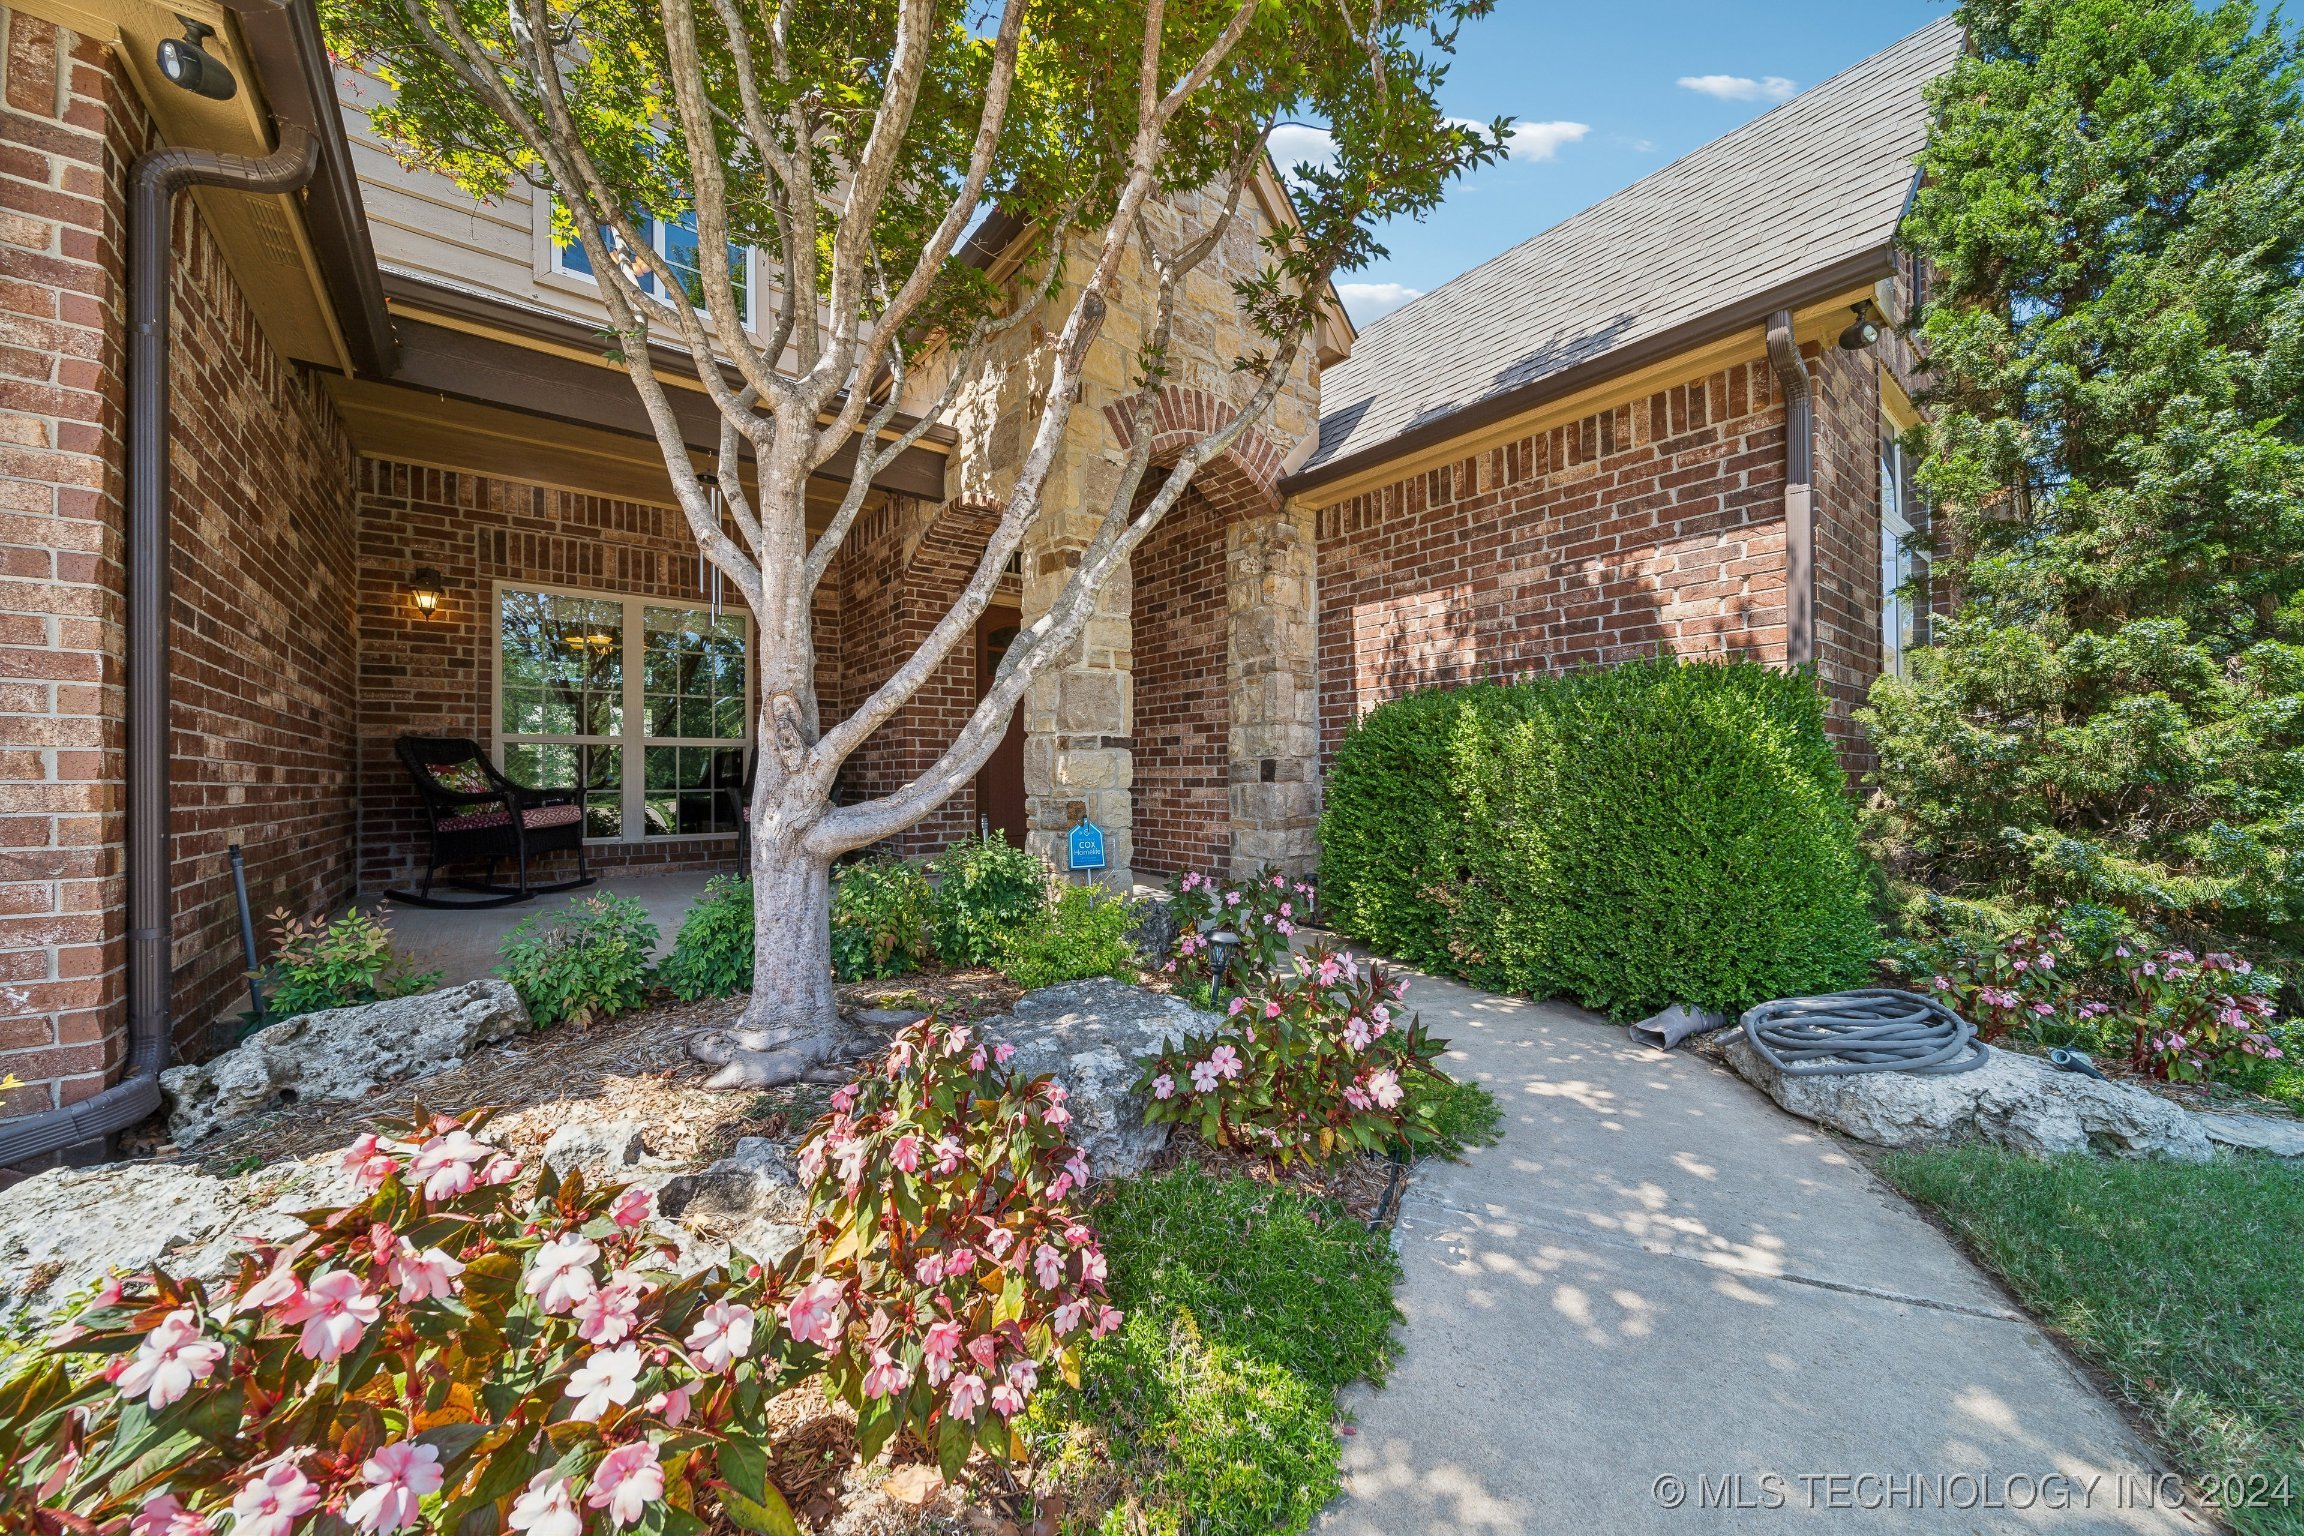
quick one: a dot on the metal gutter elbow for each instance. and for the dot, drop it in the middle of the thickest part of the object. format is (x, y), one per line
(154, 179)
(1799, 491)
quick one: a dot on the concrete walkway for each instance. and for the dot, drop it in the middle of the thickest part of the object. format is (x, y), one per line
(462, 946)
(1661, 1304)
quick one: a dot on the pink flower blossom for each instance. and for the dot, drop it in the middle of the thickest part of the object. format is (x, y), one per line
(949, 1154)
(1355, 1097)
(810, 1163)
(1060, 1186)
(1092, 1264)
(1356, 1033)
(626, 1482)
(939, 1350)
(1007, 1401)
(1272, 1009)
(1284, 928)
(1057, 1115)
(1001, 1053)
(633, 1207)
(606, 1376)
(1067, 1317)
(1231, 898)
(1204, 1076)
(1384, 1088)
(844, 1099)
(397, 1477)
(335, 1310)
(983, 1349)
(271, 1501)
(427, 1276)
(849, 1158)
(444, 1165)
(959, 1261)
(1164, 1086)
(548, 1508)
(723, 1335)
(976, 1059)
(672, 1405)
(163, 1515)
(1106, 1320)
(967, 1398)
(1048, 1265)
(171, 1358)
(608, 1316)
(560, 1272)
(1330, 970)
(906, 1153)
(1226, 1061)
(887, 1375)
(500, 1169)
(813, 1316)
(368, 1163)
(930, 1270)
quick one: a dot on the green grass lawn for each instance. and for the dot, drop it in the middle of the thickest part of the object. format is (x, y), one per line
(2184, 1283)
(1248, 1307)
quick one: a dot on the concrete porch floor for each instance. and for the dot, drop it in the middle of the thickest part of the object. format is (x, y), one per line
(462, 945)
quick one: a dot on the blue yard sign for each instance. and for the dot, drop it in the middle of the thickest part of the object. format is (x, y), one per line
(1084, 846)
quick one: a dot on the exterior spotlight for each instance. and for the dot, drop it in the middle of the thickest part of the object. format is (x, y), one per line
(186, 62)
(1862, 331)
(425, 590)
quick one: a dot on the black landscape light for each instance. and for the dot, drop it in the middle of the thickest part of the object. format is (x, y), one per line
(186, 62)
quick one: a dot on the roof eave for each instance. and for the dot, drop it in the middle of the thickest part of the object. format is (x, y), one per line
(1865, 267)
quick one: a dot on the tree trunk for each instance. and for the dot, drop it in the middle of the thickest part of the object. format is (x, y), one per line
(791, 1028)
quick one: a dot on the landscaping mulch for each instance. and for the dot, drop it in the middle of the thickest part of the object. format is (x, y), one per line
(636, 1067)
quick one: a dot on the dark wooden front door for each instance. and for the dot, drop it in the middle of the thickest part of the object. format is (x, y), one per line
(1000, 782)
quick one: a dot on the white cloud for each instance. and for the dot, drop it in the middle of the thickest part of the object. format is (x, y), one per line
(1295, 144)
(1370, 301)
(1541, 141)
(1741, 87)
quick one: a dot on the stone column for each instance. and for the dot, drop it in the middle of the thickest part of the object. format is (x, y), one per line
(1273, 679)
(1079, 714)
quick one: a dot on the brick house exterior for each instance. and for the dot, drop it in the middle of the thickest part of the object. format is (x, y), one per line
(1429, 503)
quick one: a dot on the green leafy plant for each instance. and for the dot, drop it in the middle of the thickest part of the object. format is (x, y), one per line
(881, 915)
(1312, 1066)
(712, 954)
(1629, 837)
(947, 1268)
(334, 964)
(1462, 1114)
(1249, 1306)
(986, 891)
(579, 966)
(2114, 324)
(464, 1347)
(1262, 914)
(1084, 933)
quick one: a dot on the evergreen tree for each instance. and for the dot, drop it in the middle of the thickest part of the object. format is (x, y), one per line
(2112, 218)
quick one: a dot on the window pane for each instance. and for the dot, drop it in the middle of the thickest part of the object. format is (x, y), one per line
(680, 252)
(693, 670)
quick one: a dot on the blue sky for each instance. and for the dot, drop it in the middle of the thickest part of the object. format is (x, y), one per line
(1606, 94)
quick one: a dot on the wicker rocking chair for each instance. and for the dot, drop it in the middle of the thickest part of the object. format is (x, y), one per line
(478, 815)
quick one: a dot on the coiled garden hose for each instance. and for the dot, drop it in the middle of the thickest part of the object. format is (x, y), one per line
(1873, 1029)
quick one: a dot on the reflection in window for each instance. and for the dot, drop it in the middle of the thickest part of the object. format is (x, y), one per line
(1904, 595)
(676, 240)
(643, 707)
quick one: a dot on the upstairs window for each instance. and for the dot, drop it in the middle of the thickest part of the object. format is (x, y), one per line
(676, 241)
(1904, 594)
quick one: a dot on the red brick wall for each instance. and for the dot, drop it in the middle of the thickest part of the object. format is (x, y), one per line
(1657, 525)
(435, 675)
(261, 639)
(1183, 804)
(1848, 652)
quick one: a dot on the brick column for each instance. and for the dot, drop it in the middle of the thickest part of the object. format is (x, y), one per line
(1272, 671)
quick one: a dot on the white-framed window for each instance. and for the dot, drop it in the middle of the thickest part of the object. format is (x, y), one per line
(676, 241)
(641, 703)
(1903, 561)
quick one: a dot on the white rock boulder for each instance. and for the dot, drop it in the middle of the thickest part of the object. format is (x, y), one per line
(2011, 1101)
(750, 1200)
(338, 1054)
(1092, 1036)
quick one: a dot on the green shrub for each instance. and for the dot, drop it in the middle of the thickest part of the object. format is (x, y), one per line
(1248, 1307)
(1629, 837)
(880, 917)
(334, 965)
(712, 956)
(985, 891)
(581, 965)
(1083, 933)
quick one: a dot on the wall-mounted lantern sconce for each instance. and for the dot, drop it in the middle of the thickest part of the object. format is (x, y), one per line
(1862, 331)
(425, 589)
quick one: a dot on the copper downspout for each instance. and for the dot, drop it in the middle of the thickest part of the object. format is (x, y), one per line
(1799, 491)
(154, 179)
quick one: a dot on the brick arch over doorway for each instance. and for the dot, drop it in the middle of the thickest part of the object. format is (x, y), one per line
(1207, 618)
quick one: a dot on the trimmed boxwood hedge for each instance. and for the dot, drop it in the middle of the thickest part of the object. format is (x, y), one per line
(1628, 837)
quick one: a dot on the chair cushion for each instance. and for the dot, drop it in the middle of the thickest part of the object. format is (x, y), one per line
(465, 776)
(534, 818)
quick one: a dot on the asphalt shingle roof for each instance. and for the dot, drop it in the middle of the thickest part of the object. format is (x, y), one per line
(1812, 183)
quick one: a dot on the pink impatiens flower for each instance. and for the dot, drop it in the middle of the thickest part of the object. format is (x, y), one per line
(397, 1477)
(813, 1316)
(906, 1153)
(560, 1273)
(368, 1163)
(1007, 1401)
(1163, 1086)
(887, 1376)
(335, 1310)
(171, 1358)
(1001, 1053)
(548, 1508)
(626, 1482)
(606, 1376)
(427, 1276)
(1106, 1320)
(272, 1501)
(723, 1335)
(929, 1271)
(1356, 1097)
(633, 1207)
(672, 1405)
(1384, 1088)
(1204, 1076)
(1226, 1061)
(940, 1348)
(608, 1316)
(163, 1515)
(1048, 1266)
(949, 1152)
(967, 1397)
(445, 1165)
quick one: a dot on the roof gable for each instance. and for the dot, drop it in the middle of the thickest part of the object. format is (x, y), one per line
(1798, 191)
